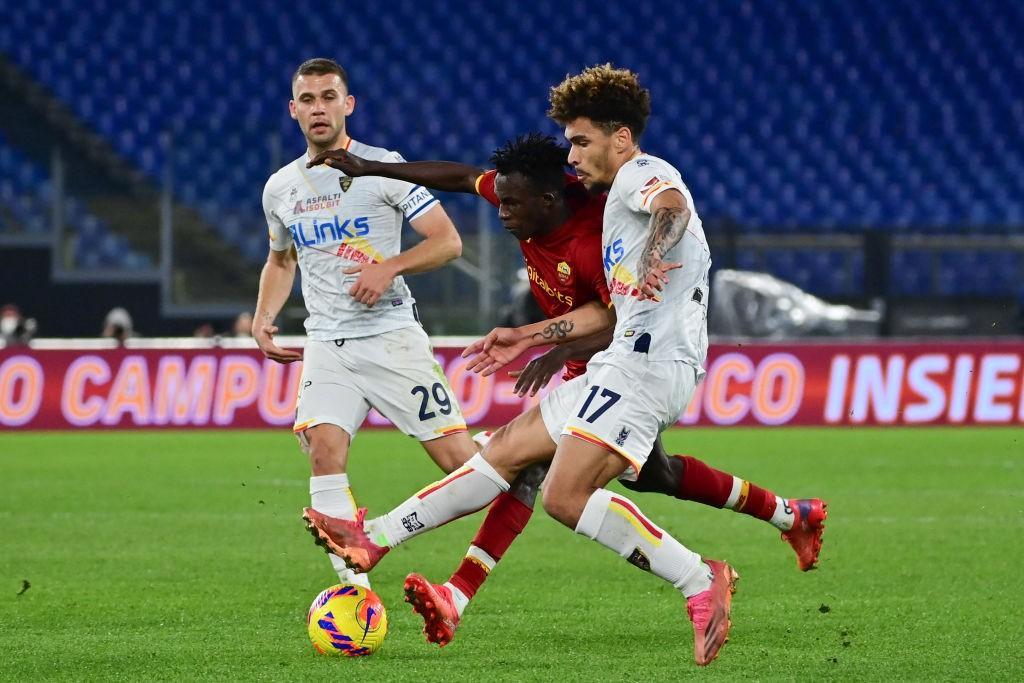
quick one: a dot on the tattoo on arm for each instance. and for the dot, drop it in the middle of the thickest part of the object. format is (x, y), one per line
(555, 331)
(668, 224)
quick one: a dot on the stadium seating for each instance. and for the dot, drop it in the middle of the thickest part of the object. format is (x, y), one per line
(783, 116)
(26, 193)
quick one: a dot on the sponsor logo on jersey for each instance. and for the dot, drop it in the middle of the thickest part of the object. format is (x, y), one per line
(332, 230)
(621, 282)
(564, 272)
(642, 162)
(555, 294)
(319, 203)
(613, 253)
(620, 279)
(358, 251)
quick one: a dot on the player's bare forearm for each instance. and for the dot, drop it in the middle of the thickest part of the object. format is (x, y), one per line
(430, 254)
(585, 347)
(276, 282)
(444, 176)
(667, 227)
(670, 216)
(586, 320)
(440, 245)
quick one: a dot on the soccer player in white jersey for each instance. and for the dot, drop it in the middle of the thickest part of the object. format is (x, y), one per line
(656, 262)
(365, 346)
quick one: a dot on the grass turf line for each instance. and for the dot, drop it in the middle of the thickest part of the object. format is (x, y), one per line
(181, 556)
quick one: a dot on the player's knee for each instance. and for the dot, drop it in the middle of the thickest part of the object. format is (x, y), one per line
(502, 453)
(564, 505)
(451, 452)
(554, 506)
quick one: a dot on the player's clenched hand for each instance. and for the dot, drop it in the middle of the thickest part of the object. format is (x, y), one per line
(538, 372)
(374, 279)
(341, 159)
(654, 279)
(264, 333)
(499, 348)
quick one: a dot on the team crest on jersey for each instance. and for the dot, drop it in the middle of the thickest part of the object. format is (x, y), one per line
(345, 182)
(564, 272)
(620, 440)
(293, 194)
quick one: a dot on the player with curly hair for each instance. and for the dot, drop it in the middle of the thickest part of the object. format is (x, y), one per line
(606, 422)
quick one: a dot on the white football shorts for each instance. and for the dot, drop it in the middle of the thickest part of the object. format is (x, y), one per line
(394, 372)
(623, 402)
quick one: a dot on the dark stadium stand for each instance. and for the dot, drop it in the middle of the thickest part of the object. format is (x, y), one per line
(819, 118)
(26, 197)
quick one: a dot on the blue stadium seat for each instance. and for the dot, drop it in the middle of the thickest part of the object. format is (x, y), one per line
(783, 117)
(26, 193)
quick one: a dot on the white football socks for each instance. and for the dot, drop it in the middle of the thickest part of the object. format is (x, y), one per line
(783, 517)
(458, 597)
(466, 490)
(617, 523)
(331, 495)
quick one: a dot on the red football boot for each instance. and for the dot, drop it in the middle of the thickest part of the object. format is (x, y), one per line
(434, 603)
(808, 526)
(345, 538)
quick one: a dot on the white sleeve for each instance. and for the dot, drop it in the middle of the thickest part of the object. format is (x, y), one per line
(280, 238)
(646, 179)
(411, 200)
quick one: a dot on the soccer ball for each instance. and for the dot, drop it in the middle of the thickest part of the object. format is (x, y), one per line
(347, 620)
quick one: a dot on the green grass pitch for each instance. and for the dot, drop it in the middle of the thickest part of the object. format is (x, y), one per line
(155, 556)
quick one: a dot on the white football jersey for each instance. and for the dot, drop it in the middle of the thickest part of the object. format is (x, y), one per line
(334, 222)
(676, 327)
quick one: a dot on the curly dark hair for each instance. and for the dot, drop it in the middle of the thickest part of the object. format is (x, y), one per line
(539, 158)
(609, 97)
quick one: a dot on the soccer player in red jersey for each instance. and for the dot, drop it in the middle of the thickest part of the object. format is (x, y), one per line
(558, 224)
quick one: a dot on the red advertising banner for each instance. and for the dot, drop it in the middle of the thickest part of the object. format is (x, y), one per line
(978, 383)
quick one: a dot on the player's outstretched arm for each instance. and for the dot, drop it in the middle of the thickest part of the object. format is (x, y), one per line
(505, 344)
(275, 286)
(539, 371)
(670, 215)
(445, 176)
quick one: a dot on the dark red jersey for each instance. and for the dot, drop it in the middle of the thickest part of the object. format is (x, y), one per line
(564, 266)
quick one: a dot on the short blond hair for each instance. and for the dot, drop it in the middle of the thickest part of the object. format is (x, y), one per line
(608, 96)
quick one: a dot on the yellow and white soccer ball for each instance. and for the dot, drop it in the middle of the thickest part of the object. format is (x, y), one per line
(347, 620)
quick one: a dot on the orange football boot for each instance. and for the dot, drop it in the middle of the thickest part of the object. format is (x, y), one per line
(345, 538)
